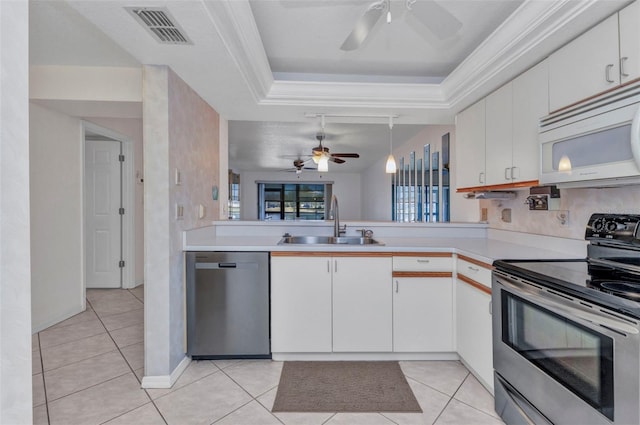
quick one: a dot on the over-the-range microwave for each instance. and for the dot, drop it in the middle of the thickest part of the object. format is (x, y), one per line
(594, 143)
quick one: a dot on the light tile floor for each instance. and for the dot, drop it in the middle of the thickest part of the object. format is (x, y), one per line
(87, 370)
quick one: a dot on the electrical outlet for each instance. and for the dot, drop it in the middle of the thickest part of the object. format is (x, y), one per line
(505, 215)
(178, 177)
(484, 214)
(179, 212)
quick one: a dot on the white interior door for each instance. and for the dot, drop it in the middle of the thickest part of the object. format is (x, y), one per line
(103, 221)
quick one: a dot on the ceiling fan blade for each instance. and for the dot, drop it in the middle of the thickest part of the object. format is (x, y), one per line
(345, 155)
(436, 18)
(337, 160)
(363, 26)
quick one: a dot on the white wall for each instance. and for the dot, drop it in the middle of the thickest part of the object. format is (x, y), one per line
(132, 130)
(377, 184)
(346, 187)
(181, 131)
(57, 272)
(15, 288)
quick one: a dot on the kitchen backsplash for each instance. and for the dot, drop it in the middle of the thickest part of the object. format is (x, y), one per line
(580, 204)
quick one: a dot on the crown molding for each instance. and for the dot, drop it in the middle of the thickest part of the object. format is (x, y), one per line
(371, 95)
(523, 33)
(519, 43)
(234, 22)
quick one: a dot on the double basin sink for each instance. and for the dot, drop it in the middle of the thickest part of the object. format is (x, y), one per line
(328, 240)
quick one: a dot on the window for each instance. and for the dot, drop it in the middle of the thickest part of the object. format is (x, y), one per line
(293, 201)
(420, 188)
(234, 196)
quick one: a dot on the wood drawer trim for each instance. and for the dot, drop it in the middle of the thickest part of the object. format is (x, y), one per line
(422, 254)
(328, 254)
(504, 186)
(475, 284)
(476, 262)
(422, 274)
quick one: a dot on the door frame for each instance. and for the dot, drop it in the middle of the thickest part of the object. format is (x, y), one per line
(128, 202)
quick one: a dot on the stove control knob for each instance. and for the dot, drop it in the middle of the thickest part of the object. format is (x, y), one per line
(612, 226)
(598, 225)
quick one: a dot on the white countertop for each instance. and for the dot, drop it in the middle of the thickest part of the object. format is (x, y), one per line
(482, 249)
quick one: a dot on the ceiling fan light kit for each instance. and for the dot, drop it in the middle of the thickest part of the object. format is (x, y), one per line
(436, 18)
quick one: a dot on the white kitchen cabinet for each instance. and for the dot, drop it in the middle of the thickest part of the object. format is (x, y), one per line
(586, 66)
(470, 149)
(473, 318)
(423, 302)
(300, 304)
(530, 103)
(499, 133)
(422, 314)
(629, 19)
(362, 304)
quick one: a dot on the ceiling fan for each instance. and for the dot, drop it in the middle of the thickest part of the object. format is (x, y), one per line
(299, 165)
(320, 151)
(437, 19)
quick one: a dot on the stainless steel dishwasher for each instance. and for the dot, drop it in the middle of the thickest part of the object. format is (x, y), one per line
(227, 305)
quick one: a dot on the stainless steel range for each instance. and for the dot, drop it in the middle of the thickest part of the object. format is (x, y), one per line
(566, 333)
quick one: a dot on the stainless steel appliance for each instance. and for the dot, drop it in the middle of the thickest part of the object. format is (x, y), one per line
(227, 305)
(566, 333)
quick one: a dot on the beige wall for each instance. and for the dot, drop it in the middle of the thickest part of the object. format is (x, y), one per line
(181, 132)
(580, 203)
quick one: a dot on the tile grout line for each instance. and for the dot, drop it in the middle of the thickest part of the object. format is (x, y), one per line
(128, 365)
(451, 398)
(44, 382)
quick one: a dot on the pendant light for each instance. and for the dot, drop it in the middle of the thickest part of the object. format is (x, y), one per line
(391, 162)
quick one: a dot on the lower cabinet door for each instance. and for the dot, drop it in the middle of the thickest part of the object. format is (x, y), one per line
(422, 314)
(362, 304)
(474, 334)
(300, 305)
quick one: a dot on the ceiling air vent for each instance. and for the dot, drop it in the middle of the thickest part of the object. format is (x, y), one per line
(161, 25)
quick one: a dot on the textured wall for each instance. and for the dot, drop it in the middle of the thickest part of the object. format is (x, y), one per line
(181, 131)
(15, 277)
(580, 203)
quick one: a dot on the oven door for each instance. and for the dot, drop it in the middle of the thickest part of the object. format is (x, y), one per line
(572, 361)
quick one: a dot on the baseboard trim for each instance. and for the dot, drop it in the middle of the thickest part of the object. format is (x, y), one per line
(166, 381)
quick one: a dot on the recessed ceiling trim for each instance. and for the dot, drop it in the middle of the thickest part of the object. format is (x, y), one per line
(159, 22)
(355, 95)
(486, 68)
(237, 28)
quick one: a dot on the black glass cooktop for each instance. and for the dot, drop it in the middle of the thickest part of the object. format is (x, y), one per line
(605, 285)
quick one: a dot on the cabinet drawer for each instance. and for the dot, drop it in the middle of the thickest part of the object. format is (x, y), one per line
(423, 263)
(474, 271)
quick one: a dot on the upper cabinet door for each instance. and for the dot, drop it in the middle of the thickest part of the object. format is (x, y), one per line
(530, 103)
(586, 66)
(630, 42)
(499, 131)
(470, 146)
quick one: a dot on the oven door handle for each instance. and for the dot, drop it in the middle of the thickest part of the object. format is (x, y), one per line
(559, 306)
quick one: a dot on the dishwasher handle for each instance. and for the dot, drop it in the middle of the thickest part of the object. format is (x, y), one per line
(217, 266)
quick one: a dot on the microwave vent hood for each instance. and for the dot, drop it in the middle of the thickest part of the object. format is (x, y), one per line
(593, 144)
